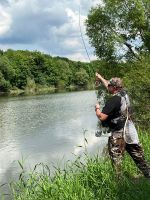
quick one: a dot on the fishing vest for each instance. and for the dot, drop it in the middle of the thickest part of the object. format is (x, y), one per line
(125, 110)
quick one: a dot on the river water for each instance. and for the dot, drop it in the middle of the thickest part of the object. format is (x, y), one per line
(46, 128)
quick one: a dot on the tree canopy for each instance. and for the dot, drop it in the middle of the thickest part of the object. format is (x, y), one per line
(21, 69)
(120, 29)
(26, 69)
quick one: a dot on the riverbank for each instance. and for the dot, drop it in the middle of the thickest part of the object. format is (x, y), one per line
(39, 90)
(91, 179)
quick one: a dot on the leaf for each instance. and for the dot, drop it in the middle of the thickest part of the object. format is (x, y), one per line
(79, 146)
(86, 140)
(21, 165)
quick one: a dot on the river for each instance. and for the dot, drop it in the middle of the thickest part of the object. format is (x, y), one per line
(46, 128)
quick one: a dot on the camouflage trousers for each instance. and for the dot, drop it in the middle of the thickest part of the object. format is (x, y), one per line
(117, 146)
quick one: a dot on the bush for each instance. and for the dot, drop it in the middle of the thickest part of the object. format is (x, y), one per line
(4, 85)
(81, 78)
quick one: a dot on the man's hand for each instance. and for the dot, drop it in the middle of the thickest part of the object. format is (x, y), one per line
(99, 114)
(98, 76)
(97, 106)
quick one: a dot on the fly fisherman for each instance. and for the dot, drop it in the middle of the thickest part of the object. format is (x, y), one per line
(116, 115)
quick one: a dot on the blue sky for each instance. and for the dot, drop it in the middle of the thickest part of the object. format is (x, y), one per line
(49, 26)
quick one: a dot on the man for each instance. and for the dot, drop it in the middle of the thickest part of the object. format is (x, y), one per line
(116, 114)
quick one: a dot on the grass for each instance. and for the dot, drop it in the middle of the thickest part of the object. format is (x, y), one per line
(90, 179)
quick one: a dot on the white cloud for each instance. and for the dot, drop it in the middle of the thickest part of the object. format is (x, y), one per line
(5, 21)
(72, 43)
(51, 26)
(77, 57)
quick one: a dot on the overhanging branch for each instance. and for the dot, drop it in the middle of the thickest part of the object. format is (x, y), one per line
(129, 46)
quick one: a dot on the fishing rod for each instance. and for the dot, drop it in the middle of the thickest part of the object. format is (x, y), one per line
(102, 132)
(97, 82)
(82, 35)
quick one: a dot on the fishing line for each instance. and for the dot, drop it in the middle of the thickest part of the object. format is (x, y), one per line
(97, 83)
(82, 36)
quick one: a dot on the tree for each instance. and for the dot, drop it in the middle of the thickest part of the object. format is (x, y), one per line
(6, 68)
(81, 78)
(138, 83)
(4, 84)
(28, 70)
(119, 28)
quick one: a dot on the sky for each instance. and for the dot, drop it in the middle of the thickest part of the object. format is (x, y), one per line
(49, 26)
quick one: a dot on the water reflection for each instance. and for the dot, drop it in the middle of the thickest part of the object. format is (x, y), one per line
(46, 129)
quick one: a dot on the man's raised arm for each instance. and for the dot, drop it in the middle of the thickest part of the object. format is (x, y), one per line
(100, 78)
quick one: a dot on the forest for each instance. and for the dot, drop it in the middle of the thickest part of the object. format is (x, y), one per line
(25, 69)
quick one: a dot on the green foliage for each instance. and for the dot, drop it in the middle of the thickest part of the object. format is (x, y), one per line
(119, 29)
(18, 67)
(137, 80)
(30, 86)
(81, 78)
(61, 84)
(6, 68)
(4, 85)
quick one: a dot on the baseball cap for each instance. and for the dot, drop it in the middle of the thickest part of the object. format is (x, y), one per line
(116, 82)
